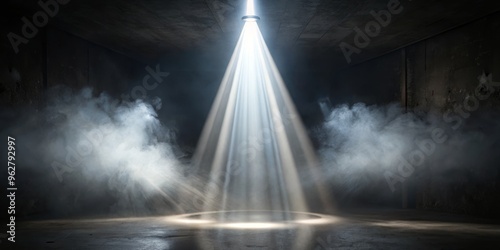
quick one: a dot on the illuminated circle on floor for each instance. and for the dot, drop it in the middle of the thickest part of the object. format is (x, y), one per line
(258, 219)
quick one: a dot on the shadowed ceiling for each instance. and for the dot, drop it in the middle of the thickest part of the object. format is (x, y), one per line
(148, 29)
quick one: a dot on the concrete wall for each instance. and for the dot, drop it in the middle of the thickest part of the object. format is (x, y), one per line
(442, 72)
(444, 69)
(21, 73)
(374, 82)
(78, 63)
(434, 76)
(55, 57)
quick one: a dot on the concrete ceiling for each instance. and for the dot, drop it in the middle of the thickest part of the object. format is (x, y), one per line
(148, 29)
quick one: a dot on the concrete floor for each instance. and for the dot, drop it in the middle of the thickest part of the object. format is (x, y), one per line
(380, 229)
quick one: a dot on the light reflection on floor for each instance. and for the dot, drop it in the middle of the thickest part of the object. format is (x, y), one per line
(381, 230)
(439, 226)
(251, 219)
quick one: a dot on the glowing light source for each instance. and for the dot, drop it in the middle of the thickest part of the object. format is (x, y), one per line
(250, 8)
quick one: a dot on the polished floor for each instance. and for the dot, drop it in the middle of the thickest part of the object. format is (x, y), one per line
(373, 229)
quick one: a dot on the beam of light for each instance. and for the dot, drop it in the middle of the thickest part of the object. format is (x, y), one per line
(250, 8)
(254, 148)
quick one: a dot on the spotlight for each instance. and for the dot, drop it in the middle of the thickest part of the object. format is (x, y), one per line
(250, 18)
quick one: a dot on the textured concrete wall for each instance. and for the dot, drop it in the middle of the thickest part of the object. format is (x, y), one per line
(54, 57)
(444, 69)
(77, 63)
(51, 57)
(373, 82)
(21, 73)
(442, 72)
(433, 76)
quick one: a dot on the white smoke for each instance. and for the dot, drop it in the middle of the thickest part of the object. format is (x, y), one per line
(379, 147)
(86, 153)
